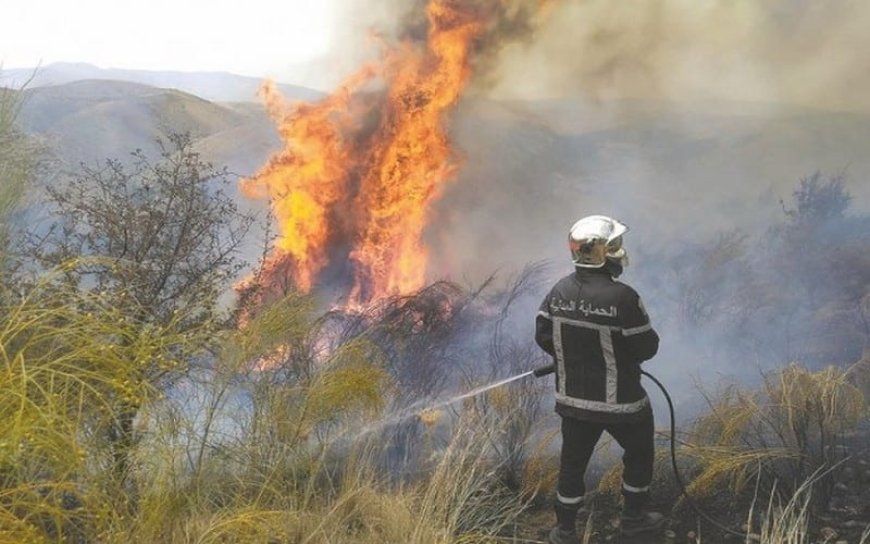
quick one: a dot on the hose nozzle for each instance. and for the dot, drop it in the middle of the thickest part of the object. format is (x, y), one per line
(544, 370)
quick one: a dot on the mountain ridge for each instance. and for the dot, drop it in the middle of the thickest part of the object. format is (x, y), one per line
(212, 86)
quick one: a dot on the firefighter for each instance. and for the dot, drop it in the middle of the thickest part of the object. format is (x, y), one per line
(598, 333)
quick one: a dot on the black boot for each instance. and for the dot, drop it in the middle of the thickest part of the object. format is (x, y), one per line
(558, 536)
(635, 521)
(566, 517)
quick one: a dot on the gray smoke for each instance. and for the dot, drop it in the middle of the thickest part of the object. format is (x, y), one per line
(778, 51)
(506, 23)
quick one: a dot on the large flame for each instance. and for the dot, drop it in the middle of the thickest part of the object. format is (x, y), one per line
(344, 185)
(307, 179)
(409, 160)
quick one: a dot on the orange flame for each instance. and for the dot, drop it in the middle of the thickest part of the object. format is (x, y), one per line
(410, 159)
(340, 184)
(308, 178)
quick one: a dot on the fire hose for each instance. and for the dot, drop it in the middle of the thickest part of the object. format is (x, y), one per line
(549, 369)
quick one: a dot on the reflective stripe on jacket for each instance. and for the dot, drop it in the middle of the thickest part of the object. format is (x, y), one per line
(598, 333)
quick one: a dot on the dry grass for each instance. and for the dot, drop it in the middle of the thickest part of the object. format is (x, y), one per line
(788, 521)
(785, 440)
(64, 367)
(790, 429)
(279, 465)
(542, 467)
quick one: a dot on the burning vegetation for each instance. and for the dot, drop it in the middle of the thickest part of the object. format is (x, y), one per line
(352, 188)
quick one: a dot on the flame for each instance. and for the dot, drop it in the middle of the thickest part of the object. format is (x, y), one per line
(410, 161)
(346, 187)
(307, 179)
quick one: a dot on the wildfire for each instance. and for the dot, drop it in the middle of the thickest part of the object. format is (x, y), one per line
(307, 179)
(410, 157)
(344, 188)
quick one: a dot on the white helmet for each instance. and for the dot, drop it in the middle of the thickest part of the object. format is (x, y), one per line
(596, 238)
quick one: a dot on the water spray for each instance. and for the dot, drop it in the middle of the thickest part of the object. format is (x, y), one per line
(538, 372)
(429, 414)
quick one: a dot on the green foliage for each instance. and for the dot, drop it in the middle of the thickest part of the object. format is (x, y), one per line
(352, 384)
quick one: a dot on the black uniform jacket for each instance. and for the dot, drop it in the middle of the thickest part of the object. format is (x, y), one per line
(598, 333)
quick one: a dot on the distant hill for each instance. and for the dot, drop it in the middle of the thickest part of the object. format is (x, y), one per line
(212, 86)
(89, 121)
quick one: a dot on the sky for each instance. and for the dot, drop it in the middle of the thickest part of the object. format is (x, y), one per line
(812, 53)
(254, 37)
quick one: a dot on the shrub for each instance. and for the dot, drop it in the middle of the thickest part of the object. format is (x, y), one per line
(790, 429)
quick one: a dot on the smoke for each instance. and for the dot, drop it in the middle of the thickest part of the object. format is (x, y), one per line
(779, 51)
(632, 135)
(676, 179)
(507, 22)
(679, 177)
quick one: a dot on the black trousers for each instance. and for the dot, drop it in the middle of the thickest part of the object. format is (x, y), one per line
(578, 442)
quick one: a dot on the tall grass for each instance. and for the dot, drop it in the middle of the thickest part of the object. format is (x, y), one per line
(243, 450)
(791, 428)
(66, 360)
(787, 521)
(788, 438)
(262, 442)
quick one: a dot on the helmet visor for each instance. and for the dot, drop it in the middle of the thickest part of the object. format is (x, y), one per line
(616, 252)
(614, 245)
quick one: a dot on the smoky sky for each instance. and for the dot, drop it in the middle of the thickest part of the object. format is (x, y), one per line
(774, 51)
(505, 22)
(790, 51)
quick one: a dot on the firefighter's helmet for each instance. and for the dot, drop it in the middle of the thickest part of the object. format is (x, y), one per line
(596, 238)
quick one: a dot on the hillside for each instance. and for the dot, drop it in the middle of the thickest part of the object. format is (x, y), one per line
(88, 121)
(213, 86)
